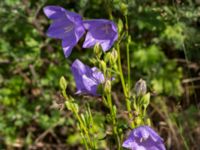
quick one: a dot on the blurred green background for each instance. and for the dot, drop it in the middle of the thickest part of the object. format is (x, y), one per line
(165, 51)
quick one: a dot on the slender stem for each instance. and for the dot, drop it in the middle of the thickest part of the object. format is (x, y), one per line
(84, 140)
(120, 71)
(113, 116)
(122, 79)
(128, 105)
(128, 56)
(82, 126)
(129, 70)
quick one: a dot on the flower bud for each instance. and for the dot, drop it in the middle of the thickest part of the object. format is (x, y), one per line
(148, 122)
(124, 8)
(146, 100)
(129, 39)
(103, 66)
(140, 87)
(138, 120)
(63, 83)
(107, 57)
(97, 50)
(107, 88)
(114, 56)
(120, 25)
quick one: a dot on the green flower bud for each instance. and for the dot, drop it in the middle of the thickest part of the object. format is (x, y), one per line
(146, 100)
(103, 66)
(63, 83)
(107, 87)
(107, 57)
(114, 56)
(148, 122)
(120, 26)
(138, 120)
(97, 50)
(124, 8)
(72, 106)
(129, 39)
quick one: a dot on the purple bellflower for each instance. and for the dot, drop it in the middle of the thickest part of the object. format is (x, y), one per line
(87, 79)
(144, 138)
(100, 31)
(66, 26)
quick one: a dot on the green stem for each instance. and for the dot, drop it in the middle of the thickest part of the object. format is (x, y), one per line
(128, 56)
(113, 116)
(129, 71)
(128, 104)
(84, 140)
(82, 126)
(120, 71)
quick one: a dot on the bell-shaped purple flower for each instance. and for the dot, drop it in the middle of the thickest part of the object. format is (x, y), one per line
(87, 79)
(101, 31)
(144, 138)
(66, 26)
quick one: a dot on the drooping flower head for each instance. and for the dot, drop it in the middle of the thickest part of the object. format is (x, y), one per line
(66, 26)
(144, 138)
(87, 79)
(100, 31)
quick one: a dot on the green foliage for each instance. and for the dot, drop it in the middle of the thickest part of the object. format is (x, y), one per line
(174, 34)
(162, 73)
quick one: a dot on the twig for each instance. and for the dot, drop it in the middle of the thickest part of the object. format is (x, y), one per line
(191, 80)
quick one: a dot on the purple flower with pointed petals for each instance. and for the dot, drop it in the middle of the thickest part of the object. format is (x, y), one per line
(100, 31)
(87, 79)
(66, 26)
(144, 138)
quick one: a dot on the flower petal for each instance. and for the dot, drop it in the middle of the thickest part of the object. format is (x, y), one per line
(87, 79)
(67, 50)
(79, 32)
(133, 145)
(68, 43)
(153, 148)
(89, 41)
(100, 31)
(54, 12)
(67, 26)
(153, 134)
(90, 85)
(141, 138)
(161, 146)
(61, 29)
(78, 69)
(81, 68)
(106, 45)
(98, 75)
(141, 132)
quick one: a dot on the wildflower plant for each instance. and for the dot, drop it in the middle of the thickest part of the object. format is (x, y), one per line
(105, 37)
